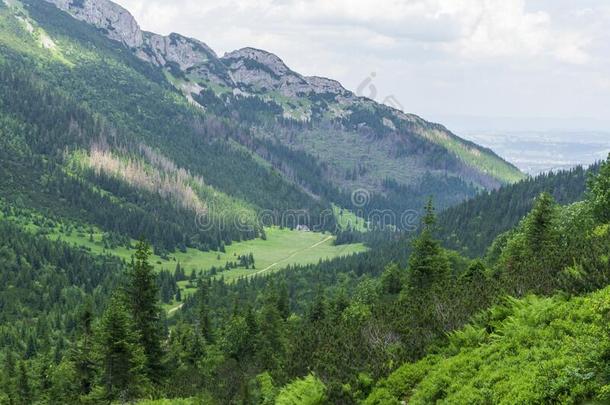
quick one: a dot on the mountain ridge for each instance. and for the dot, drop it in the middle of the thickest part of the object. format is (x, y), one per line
(239, 139)
(251, 72)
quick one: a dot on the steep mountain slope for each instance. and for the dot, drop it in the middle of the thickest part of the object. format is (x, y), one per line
(137, 133)
(262, 89)
(68, 98)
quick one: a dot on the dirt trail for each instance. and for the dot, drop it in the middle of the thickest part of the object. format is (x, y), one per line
(171, 311)
(291, 256)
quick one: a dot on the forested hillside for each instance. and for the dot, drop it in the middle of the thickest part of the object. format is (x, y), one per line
(97, 135)
(93, 149)
(333, 333)
(138, 101)
(470, 227)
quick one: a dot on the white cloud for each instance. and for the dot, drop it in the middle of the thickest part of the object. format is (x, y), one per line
(474, 28)
(529, 51)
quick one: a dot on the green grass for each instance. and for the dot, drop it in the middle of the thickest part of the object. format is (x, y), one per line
(484, 161)
(280, 249)
(346, 219)
(18, 31)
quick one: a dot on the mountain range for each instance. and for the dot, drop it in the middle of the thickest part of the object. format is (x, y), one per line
(164, 122)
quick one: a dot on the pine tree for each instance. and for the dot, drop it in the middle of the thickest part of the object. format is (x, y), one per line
(203, 313)
(120, 357)
(541, 260)
(392, 280)
(424, 307)
(283, 300)
(269, 341)
(179, 273)
(539, 225)
(7, 386)
(141, 293)
(317, 311)
(428, 262)
(82, 353)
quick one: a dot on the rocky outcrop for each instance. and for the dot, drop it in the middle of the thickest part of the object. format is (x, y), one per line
(174, 48)
(119, 25)
(112, 19)
(321, 85)
(246, 71)
(260, 71)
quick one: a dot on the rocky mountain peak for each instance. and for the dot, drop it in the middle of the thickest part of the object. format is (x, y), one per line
(325, 85)
(116, 22)
(249, 69)
(119, 25)
(255, 86)
(255, 68)
(262, 59)
(174, 48)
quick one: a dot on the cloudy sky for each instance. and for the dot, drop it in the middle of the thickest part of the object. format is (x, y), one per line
(442, 59)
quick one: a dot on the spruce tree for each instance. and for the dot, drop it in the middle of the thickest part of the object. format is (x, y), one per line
(203, 314)
(7, 386)
(82, 354)
(392, 279)
(428, 262)
(542, 260)
(269, 342)
(424, 305)
(120, 357)
(283, 300)
(539, 225)
(141, 293)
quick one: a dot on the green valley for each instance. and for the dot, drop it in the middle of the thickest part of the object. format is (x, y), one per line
(280, 247)
(180, 227)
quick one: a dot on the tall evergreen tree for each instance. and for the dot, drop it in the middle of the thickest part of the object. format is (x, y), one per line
(428, 262)
(7, 387)
(203, 313)
(424, 306)
(283, 300)
(142, 293)
(120, 357)
(270, 342)
(539, 225)
(392, 279)
(531, 258)
(82, 354)
(24, 389)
